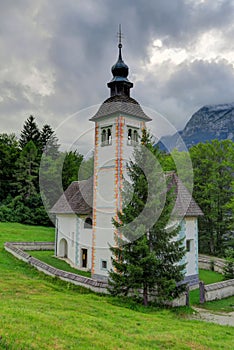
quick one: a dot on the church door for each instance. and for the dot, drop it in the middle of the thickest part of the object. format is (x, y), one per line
(84, 256)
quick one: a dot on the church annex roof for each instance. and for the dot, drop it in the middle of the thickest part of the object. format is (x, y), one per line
(78, 199)
(185, 204)
(120, 104)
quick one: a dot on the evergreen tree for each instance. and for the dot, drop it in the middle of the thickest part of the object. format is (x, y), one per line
(9, 153)
(86, 169)
(228, 270)
(30, 132)
(213, 165)
(146, 259)
(27, 173)
(71, 166)
(49, 142)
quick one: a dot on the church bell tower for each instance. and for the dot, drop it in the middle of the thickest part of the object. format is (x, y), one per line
(118, 125)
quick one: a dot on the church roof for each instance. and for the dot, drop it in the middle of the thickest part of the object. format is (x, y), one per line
(185, 204)
(78, 198)
(120, 104)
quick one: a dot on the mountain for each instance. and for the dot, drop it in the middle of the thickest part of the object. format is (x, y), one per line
(208, 123)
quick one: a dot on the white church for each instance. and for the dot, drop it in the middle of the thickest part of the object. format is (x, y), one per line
(84, 229)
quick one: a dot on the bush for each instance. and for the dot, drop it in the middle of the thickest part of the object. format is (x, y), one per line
(228, 270)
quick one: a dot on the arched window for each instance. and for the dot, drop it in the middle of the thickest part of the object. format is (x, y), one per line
(132, 136)
(106, 137)
(135, 136)
(129, 136)
(109, 136)
(88, 223)
(103, 137)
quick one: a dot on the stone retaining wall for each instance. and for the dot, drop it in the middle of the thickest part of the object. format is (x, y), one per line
(216, 291)
(16, 250)
(33, 245)
(205, 262)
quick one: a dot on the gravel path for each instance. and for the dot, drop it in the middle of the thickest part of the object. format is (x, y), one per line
(221, 318)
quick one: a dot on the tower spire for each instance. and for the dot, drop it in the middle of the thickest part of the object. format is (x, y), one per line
(120, 85)
(120, 36)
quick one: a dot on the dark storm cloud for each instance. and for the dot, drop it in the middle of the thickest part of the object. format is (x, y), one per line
(56, 56)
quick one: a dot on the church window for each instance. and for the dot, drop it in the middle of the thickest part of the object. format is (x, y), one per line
(88, 223)
(189, 245)
(104, 265)
(132, 136)
(129, 136)
(106, 137)
(135, 136)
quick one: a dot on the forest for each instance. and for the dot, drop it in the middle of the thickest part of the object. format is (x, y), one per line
(21, 198)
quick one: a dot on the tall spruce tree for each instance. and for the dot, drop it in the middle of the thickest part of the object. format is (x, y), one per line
(213, 164)
(72, 161)
(30, 132)
(49, 142)
(27, 173)
(9, 153)
(146, 259)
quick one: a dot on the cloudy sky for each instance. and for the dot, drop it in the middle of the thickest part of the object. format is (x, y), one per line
(56, 56)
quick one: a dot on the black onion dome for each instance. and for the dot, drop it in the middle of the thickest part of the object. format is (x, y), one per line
(120, 69)
(120, 85)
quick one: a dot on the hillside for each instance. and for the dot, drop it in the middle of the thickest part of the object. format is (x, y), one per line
(39, 312)
(208, 123)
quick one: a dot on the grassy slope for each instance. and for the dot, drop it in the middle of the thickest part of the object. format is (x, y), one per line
(48, 258)
(39, 312)
(225, 305)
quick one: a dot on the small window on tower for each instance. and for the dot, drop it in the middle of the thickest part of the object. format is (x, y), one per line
(129, 137)
(104, 265)
(133, 136)
(103, 137)
(106, 137)
(109, 136)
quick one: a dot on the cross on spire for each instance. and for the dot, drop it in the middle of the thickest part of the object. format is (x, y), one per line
(120, 36)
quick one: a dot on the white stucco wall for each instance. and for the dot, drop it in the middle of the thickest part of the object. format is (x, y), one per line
(71, 228)
(106, 202)
(84, 241)
(66, 229)
(192, 255)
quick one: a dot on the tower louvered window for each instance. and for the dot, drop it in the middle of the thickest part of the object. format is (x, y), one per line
(106, 136)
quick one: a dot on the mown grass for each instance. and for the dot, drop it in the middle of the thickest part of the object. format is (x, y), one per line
(223, 305)
(208, 277)
(48, 258)
(41, 312)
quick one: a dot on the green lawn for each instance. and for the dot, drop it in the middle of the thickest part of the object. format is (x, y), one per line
(40, 312)
(208, 277)
(48, 258)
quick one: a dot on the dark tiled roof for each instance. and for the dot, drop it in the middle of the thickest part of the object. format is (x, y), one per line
(185, 204)
(78, 199)
(119, 103)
